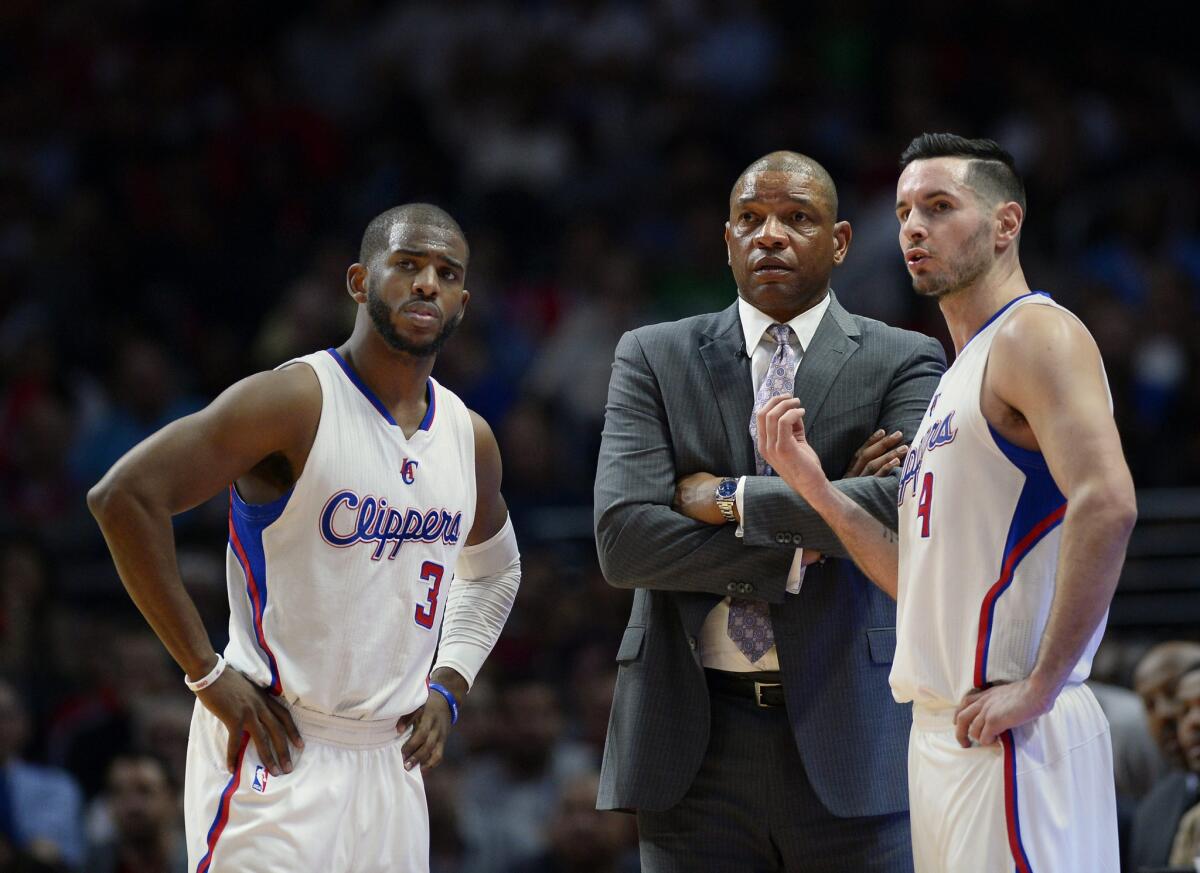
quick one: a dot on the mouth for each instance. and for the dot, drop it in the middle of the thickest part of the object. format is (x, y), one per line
(425, 314)
(771, 267)
(913, 257)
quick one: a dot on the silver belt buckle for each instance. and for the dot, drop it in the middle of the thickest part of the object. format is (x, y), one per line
(759, 687)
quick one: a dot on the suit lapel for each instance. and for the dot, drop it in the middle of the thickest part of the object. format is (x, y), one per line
(723, 350)
(831, 347)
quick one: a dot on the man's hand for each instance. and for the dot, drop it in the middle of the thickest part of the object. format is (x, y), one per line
(782, 444)
(696, 497)
(431, 727)
(983, 715)
(431, 722)
(878, 456)
(244, 708)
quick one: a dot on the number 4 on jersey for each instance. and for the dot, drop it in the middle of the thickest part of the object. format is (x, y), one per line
(925, 504)
(426, 611)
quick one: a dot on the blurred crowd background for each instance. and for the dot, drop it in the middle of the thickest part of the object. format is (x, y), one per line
(183, 186)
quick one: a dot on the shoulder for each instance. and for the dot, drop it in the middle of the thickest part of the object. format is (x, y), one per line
(896, 342)
(681, 331)
(1043, 339)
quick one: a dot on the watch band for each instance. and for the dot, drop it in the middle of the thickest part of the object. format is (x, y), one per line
(727, 504)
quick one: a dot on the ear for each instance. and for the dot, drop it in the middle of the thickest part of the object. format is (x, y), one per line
(841, 241)
(356, 282)
(1010, 218)
(728, 254)
(466, 295)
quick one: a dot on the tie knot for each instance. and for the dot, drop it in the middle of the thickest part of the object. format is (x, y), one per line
(781, 333)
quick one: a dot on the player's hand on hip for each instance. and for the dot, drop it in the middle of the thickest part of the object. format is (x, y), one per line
(783, 444)
(696, 497)
(431, 726)
(983, 715)
(244, 708)
(878, 456)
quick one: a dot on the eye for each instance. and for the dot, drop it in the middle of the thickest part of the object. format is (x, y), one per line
(902, 214)
(941, 206)
(746, 217)
(449, 275)
(800, 216)
(404, 264)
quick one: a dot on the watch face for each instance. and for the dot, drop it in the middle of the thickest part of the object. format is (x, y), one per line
(727, 489)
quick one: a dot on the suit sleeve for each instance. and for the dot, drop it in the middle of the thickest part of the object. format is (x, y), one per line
(775, 513)
(642, 542)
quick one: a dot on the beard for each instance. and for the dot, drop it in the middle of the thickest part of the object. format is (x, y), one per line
(381, 317)
(975, 261)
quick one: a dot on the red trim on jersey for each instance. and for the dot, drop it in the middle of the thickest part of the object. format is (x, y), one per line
(1010, 804)
(1006, 576)
(276, 686)
(222, 818)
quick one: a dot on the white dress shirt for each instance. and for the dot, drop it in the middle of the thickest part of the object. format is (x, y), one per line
(716, 649)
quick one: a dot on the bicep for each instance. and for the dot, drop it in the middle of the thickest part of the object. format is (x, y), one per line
(1052, 375)
(490, 508)
(197, 456)
(911, 389)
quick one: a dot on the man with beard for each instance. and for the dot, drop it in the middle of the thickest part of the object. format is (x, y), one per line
(355, 480)
(1015, 508)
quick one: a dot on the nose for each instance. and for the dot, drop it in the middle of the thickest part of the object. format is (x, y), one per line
(771, 234)
(912, 228)
(425, 283)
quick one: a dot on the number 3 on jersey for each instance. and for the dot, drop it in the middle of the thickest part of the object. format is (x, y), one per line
(925, 504)
(426, 611)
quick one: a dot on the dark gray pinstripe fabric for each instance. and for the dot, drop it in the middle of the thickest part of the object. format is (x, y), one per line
(679, 402)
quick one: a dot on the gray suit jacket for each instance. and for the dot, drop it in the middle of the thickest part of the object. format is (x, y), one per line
(679, 402)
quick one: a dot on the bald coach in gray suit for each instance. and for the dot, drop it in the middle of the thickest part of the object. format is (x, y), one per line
(734, 758)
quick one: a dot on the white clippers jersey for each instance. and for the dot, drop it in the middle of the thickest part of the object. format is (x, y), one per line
(979, 523)
(336, 588)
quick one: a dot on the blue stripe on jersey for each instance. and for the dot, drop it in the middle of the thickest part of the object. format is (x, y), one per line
(1038, 511)
(426, 422)
(998, 313)
(362, 387)
(247, 523)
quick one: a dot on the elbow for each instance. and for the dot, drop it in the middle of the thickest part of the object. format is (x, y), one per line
(105, 496)
(1111, 505)
(617, 571)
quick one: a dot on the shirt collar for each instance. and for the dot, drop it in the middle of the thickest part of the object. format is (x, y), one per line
(804, 325)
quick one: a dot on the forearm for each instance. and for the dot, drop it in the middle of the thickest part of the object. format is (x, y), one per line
(652, 546)
(776, 516)
(141, 540)
(872, 545)
(1095, 534)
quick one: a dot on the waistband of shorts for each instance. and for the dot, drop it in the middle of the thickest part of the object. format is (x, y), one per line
(941, 718)
(349, 733)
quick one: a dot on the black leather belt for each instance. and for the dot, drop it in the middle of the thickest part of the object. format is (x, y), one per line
(763, 688)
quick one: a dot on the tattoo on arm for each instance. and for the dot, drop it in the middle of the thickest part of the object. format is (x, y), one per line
(890, 536)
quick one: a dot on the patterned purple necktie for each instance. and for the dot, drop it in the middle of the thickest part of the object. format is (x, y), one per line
(750, 620)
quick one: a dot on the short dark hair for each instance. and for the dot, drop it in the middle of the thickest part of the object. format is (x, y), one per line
(375, 237)
(792, 162)
(992, 171)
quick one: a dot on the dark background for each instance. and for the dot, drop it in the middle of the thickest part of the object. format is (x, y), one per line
(182, 187)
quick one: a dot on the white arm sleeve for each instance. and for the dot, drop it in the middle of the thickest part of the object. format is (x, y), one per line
(485, 584)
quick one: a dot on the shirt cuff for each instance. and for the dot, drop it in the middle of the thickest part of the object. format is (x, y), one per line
(739, 499)
(796, 573)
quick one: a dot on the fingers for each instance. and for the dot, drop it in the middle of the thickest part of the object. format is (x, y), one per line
(424, 747)
(285, 718)
(233, 749)
(272, 732)
(884, 464)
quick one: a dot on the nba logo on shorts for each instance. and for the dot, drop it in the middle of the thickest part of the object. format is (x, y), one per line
(260, 779)
(408, 471)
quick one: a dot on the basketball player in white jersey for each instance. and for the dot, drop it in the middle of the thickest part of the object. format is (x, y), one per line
(355, 480)
(1015, 509)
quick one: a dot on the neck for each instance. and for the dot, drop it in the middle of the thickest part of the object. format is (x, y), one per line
(967, 309)
(781, 312)
(395, 377)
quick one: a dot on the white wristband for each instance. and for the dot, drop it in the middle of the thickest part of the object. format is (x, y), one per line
(213, 676)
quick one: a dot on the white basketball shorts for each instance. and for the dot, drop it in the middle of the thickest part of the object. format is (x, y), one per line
(1041, 800)
(348, 806)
